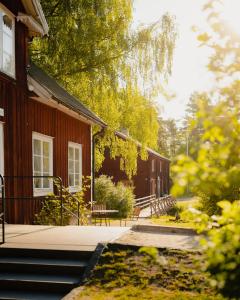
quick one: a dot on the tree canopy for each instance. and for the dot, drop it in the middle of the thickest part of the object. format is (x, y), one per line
(213, 172)
(94, 52)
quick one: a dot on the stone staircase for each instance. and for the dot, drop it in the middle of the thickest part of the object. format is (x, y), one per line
(41, 274)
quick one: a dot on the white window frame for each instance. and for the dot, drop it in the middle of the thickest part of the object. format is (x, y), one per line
(78, 187)
(43, 138)
(11, 16)
(1, 149)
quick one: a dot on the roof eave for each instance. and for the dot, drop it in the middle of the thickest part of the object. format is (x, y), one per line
(34, 9)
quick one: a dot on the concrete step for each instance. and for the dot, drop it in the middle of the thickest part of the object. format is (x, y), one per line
(24, 295)
(39, 273)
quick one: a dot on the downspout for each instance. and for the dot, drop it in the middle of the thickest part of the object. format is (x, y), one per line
(93, 161)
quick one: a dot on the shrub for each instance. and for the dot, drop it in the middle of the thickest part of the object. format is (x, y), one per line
(175, 210)
(50, 213)
(119, 197)
(222, 247)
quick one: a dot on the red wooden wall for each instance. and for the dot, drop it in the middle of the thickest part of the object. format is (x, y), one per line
(145, 181)
(22, 116)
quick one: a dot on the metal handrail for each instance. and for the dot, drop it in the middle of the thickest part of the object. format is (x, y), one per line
(58, 178)
(144, 201)
(2, 215)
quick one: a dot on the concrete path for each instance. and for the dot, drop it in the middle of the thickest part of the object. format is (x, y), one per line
(60, 237)
(160, 240)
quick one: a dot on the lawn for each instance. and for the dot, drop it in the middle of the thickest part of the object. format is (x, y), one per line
(168, 220)
(129, 273)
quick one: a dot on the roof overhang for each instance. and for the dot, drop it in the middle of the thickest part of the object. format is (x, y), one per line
(34, 18)
(149, 150)
(45, 96)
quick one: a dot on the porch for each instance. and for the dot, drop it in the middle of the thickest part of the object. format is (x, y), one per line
(74, 238)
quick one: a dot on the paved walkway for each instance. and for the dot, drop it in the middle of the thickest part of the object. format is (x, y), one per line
(60, 237)
(160, 239)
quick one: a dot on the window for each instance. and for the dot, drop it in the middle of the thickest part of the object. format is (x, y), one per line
(153, 165)
(7, 42)
(74, 166)
(160, 166)
(42, 163)
(1, 150)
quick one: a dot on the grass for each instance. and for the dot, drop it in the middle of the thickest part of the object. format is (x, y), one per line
(148, 273)
(168, 220)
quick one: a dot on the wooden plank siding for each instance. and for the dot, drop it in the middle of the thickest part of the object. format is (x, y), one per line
(145, 181)
(24, 115)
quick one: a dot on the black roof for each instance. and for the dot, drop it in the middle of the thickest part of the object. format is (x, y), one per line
(61, 95)
(149, 150)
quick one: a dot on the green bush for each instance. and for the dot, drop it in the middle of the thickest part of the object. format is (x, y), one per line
(222, 247)
(175, 210)
(119, 197)
(50, 213)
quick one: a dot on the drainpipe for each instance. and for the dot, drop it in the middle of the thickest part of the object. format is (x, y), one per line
(99, 133)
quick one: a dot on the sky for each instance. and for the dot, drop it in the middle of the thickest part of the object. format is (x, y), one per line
(189, 72)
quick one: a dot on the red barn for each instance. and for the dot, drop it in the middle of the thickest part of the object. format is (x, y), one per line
(152, 174)
(43, 129)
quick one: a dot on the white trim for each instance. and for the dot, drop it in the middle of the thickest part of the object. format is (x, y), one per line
(12, 16)
(31, 23)
(78, 187)
(91, 156)
(45, 97)
(43, 138)
(1, 149)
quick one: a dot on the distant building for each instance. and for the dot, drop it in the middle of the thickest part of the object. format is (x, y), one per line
(152, 175)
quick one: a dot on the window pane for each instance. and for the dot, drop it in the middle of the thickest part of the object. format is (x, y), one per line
(71, 180)
(37, 164)
(46, 183)
(7, 63)
(37, 182)
(77, 177)
(76, 153)
(46, 149)
(7, 24)
(77, 167)
(7, 44)
(37, 147)
(70, 153)
(46, 164)
(71, 166)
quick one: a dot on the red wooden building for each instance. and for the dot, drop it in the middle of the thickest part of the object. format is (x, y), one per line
(43, 129)
(152, 174)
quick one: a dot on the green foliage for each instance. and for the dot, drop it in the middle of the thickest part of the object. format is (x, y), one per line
(93, 51)
(213, 174)
(119, 197)
(175, 210)
(150, 252)
(170, 138)
(222, 247)
(53, 208)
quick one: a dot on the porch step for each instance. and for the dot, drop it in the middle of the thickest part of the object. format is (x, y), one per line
(40, 274)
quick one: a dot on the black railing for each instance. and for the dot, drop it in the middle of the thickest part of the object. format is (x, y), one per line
(56, 180)
(2, 210)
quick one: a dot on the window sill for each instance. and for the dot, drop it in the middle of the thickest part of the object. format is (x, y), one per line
(42, 192)
(74, 189)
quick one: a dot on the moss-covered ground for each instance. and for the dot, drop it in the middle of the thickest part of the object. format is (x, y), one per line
(147, 273)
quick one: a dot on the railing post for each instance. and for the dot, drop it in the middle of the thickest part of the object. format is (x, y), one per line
(78, 212)
(3, 209)
(61, 199)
